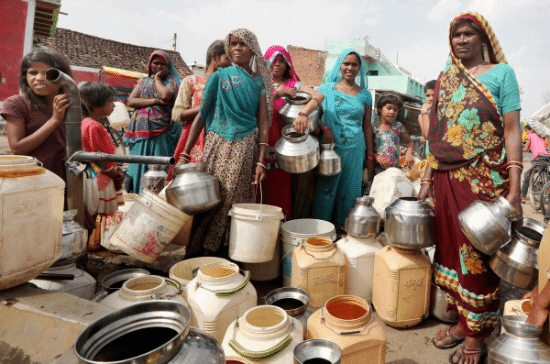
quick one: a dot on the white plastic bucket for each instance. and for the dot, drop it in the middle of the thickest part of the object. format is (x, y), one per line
(148, 227)
(296, 232)
(254, 231)
(119, 118)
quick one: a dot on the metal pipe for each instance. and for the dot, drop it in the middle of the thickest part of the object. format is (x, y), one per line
(104, 157)
(73, 119)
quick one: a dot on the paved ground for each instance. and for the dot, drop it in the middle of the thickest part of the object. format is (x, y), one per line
(405, 346)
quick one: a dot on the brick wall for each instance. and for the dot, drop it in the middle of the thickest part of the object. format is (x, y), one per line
(309, 64)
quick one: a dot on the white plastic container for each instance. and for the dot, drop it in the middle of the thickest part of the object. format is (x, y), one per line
(387, 187)
(262, 272)
(82, 285)
(265, 334)
(148, 227)
(296, 232)
(217, 295)
(31, 219)
(147, 288)
(187, 269)
(254, 231)
(119, 118)
(360, 260)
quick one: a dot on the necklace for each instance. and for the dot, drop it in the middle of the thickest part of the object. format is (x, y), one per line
(349, 88)
(474, 71)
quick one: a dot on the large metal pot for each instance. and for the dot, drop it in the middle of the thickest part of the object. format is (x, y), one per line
(487, 225)
(193, 191)
(408, 223)
(148, 332)
(516, 262)
(155, 178)
(519, 344)
(439, 304)
(330, 163)
(296, 153)
(362, 221)
(289, 111)
(74, 240)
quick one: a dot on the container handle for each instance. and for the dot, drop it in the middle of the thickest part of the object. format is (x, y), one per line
(353, 332)
(327, 258)
(259, 355)
(173, 283)
(240, 287)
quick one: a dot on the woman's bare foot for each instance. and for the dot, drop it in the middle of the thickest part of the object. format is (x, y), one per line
(472, 351)
(448, 338)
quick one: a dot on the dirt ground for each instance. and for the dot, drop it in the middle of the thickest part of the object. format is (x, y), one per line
(405, 346)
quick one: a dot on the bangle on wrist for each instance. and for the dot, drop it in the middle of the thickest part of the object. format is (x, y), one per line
(262, 143)
(262, 165)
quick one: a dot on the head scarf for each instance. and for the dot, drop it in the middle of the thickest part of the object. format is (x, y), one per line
(336, 76)
(257, 63)
(466, 127)
(272, 53)
(164, 56)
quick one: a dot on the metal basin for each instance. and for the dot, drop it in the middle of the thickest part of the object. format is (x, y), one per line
(310, 350)
(293, 300)
(149, 332)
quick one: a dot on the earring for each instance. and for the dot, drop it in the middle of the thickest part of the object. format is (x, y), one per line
(485, 50)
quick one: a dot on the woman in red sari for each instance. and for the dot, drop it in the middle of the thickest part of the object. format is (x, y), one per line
(189, 99)
(277, 186)
(474, 154)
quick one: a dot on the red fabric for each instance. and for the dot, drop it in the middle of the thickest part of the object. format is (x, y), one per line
(95, 138)
(51, 153)
(452, 197)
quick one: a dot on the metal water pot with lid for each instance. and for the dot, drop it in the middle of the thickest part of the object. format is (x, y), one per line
(362, 220)
(289, 111)
(155, 178)
(330, 163)
(408, 223)
(487, 225)
(193, 191)
(296, 153)
(516, 262)
(74, 240)
(519, 344)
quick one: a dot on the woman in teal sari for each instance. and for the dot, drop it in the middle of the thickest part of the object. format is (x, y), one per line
(236, 112)
(151, 131)
(347, 123)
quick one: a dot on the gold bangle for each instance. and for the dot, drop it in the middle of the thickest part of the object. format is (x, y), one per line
(262, 165)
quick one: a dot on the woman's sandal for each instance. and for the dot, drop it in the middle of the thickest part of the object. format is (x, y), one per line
(457, 340)
(481, 352)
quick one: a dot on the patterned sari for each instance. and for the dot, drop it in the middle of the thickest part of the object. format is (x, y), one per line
(151, 132)
(466, 151)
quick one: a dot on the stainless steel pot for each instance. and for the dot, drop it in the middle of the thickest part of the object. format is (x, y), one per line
(114, 281)
(362, 221)
(74, 240)
(148, 332)
(155, 178)
(330, 163)
(438, 306)
(516, 262)
(199, 347)
(289, 111)
(193, 191)
(310, 350)
(296, 153)
(408, 224)
(487, 225)
(519, 344)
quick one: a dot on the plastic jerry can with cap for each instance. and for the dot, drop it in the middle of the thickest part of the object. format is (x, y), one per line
(217, 295)
(319, 268)
(349, 322)
(264, 334)
(401, 286)
(360, 260)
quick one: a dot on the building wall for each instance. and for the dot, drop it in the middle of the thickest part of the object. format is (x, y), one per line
(13, 16)
(309, 64)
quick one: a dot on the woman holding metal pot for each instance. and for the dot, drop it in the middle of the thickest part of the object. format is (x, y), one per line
(277, 189)
(346, 122)
(474, 154)
(236, 112)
